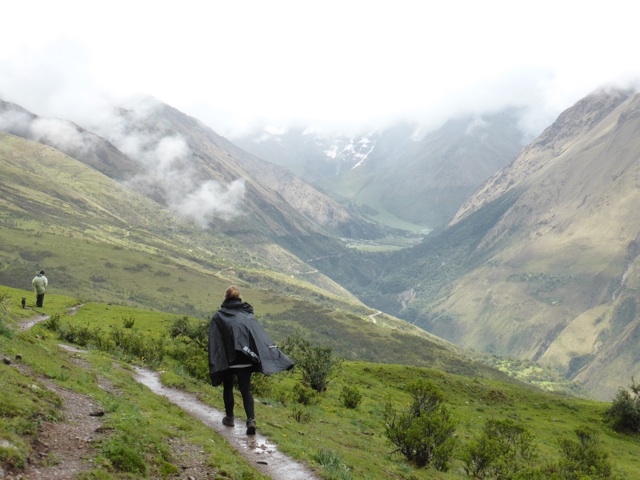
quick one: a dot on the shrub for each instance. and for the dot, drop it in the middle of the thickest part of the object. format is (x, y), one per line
(53, 323)
(149, 349)
(194, 361)
(350, 396)
(624, 413)
(180, 328)
(424, 432)
(261, 386)
(316, 364)
(502, 450)
(305, 395)
(127, 322)
(199, 332)
(582, 458)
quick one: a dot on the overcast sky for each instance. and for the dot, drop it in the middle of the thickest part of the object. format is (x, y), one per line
(235, 64)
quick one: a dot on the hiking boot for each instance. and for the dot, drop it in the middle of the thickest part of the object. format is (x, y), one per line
(251, 427)
(228, 421)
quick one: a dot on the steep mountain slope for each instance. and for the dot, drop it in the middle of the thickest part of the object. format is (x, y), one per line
(51, 202)
(255, 196)
(551, 272)
(103, 242)
(69, 138)
(396, 173)
(179, 162)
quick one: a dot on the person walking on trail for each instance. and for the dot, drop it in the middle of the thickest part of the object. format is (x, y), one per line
(39, 284)
(240, 346)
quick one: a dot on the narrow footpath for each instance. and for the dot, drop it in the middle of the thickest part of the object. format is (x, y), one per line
(257, 449)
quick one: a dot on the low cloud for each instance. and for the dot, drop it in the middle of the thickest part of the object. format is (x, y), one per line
(170, 169)
(212, 200)
(170, 172)
(57, 133)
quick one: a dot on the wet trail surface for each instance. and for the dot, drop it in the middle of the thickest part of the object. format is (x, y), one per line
(257, 449)
(26, 325)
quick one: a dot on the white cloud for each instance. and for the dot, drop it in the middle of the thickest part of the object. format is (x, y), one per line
(58, 133)
(353, 64)
(212, 200)
(170, 174)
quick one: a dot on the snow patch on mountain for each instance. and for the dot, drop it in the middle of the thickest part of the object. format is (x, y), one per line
(350, 152)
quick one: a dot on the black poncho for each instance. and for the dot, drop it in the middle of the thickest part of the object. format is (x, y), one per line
(236, 337)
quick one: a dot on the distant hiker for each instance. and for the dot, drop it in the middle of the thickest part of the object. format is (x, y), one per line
(39, 284)
(239, 345)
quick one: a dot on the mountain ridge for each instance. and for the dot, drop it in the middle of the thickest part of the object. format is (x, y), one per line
(563, 252)
(524, 265)
(420, 178)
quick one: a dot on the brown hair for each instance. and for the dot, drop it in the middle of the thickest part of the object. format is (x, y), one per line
(232, 293)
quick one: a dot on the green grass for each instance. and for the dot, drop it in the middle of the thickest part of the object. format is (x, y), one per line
(356, 436)
(343, 442)
(143, 424)
(387, 244)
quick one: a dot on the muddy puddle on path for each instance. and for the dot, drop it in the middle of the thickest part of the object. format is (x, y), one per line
(257, 449)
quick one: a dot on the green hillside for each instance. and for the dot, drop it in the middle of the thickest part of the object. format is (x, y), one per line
(136, 269)
(100, 242)
(542, 262)
(338, 441)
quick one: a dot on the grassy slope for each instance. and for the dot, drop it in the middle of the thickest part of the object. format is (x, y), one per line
(354, 436)
(100, 242)
(132, 413)
(562, 253)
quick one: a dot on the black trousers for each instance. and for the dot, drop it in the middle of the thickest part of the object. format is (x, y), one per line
(39, 299)
(244, 384)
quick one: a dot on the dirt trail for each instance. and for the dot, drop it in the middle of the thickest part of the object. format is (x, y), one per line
(257, 449)
(27, 324)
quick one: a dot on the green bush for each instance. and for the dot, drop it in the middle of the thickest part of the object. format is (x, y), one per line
(582, 459)
(149, 349)
(316, 364)
(261, 385)
(350, 396)
(53, 323)
(305, 395)
(181, 328)
(5, 301)
(128, 322)
(424, 432)
(194, 361)
(624, 413)
(503, 450)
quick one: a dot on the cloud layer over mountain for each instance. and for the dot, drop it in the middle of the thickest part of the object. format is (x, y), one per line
(329, 64)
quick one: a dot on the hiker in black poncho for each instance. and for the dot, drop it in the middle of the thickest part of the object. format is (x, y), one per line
(239, 345)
